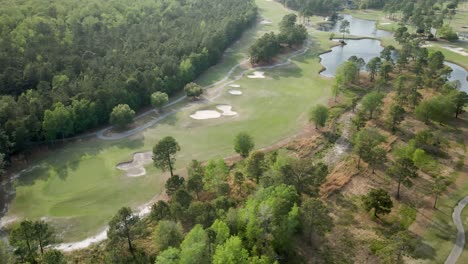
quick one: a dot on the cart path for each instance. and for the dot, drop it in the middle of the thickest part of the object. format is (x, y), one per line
(457, 249)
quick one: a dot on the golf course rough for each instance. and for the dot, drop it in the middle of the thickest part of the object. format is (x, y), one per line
(78, 187)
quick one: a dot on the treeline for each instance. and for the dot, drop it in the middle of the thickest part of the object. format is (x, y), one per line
(269, 45)
(308, 8)
(426, 15)
(66, 64)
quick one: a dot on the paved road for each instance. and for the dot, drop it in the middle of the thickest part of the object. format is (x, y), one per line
(457, 249)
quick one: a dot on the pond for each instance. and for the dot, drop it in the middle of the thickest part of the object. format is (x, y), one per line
(358, 27)
(364, 48)
(369, 48)
(458, 74)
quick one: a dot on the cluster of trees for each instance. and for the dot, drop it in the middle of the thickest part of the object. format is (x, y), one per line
(30, 241)
(426, 15)
(414, 69)
(245, 214)
(65, 65)
(269, 45)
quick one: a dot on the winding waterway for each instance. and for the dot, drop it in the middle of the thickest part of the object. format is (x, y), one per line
(368, 48)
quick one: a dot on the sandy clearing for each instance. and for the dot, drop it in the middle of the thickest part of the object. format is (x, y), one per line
(135, 168)
(227, 110)
(265, 22)
(235, 92)
(234, 85)
(257, 75)
(205, 114)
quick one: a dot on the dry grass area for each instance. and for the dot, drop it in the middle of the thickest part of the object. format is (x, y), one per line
(356, 231)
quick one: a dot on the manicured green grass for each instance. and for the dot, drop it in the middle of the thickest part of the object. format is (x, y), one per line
(79, 189)
(440, 237)
(450, 55)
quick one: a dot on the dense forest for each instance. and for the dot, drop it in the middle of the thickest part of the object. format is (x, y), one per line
(66, 64)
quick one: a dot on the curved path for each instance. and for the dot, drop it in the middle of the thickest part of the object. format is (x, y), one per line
(221, 83)
(457, 249)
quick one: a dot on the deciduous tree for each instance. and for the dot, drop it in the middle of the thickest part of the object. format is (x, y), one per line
(159, 99)
(167, 234)
(319, 115)
(372, 102)
(243, 144)
(193, 90)
(231, 252)
(122, 115)
(379, 200)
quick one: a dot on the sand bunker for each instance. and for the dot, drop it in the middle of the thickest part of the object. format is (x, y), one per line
(135, 168)
(257, 75)
(386, 23)
(234, 85)
(460, 51)
(205, 114)
(265, 22)
(235, 92)
(226, 110)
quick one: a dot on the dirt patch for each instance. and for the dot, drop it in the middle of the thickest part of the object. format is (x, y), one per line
(339, 177)
(136, 167)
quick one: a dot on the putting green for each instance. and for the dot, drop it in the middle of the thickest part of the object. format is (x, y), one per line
(78, 187)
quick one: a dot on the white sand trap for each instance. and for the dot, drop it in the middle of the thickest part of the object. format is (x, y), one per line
(257, 75)
(386, 23)
(206, 114)
(235, 92)
(135, 168)
(227, 110)
(265, 22)
(460, 51)
(426, 45)
(234, 85)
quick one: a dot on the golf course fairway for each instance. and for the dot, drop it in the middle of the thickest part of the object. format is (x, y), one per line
(78, 187)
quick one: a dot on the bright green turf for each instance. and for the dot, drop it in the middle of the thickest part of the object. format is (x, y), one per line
(79, 189)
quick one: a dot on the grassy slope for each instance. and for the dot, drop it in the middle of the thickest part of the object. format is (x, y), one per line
(79, 189)
(441, 234)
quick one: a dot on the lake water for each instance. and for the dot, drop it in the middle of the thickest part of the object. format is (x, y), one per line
(360, 27)
(369, 48)
(364, 48)
(458, 74)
